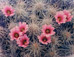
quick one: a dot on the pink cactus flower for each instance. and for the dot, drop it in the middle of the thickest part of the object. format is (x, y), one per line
(68, 15)
(60, 17)
(15, 33)
(48, 30)
(23, 27)
(8, 11)
(44, 39)
(23, 41)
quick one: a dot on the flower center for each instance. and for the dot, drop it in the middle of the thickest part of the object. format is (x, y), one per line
(47, 31)
(22, 29)
(8, 12)
(16, 35)
(67, 18)
(44, 39)
(59, 18)
(24, 41)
